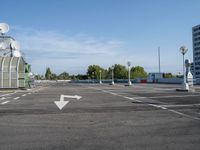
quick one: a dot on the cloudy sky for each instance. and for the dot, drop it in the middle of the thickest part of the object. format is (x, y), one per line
(69, 35)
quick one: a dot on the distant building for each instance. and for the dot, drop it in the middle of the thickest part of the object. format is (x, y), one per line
(192, 68)
(196, 52)
(154, 76)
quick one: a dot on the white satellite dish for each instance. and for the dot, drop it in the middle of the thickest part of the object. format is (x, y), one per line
(15, 45)
(30, 74)
(16, 54)
(4, 28)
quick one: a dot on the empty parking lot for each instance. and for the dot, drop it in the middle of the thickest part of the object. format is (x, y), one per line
(143, 116)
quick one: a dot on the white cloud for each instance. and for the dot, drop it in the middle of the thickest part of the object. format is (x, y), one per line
(64, 52)
(74, 52)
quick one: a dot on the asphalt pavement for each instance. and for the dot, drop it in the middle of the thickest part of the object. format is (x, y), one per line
(106, 117)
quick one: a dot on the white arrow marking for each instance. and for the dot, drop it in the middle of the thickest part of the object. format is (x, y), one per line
(69, 96)
(60, 104)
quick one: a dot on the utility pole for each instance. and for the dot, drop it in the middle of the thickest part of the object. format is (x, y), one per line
(159, 59)
(129, 73)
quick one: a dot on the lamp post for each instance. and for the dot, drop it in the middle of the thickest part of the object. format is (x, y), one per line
(112, 75)
(183, 51)
(88, 77)
(93, 76)
(129, 73)
(100, 82)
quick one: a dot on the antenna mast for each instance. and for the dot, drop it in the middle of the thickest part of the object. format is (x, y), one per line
(159, 58)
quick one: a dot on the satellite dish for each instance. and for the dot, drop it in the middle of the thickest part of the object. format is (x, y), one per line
(30, 74)
(4, 28)
(16, 54)
(15, 45)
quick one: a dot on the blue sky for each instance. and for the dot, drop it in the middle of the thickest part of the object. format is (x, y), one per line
(69, 35)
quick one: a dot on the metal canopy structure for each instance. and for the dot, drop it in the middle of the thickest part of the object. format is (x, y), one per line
(12, 72)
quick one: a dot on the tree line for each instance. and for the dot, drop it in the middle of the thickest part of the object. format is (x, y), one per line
(120, 72)
(94, 71)
(49, 75)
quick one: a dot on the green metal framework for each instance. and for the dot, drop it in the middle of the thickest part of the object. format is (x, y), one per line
(12, 72)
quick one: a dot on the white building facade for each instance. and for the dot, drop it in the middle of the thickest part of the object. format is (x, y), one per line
(196, 52)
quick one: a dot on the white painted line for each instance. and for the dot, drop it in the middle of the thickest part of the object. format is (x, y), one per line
(130, 98)
(3, 98)
(167, 96)
(8, 94)
(186, 105)
(172, 96)
(182, 114)
(157, 106)
(29, 93)
(16, 98)
(154, 105)
(5, 102)
(24, 95)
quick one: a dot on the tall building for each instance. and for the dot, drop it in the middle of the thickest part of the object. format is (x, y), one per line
(196, 52)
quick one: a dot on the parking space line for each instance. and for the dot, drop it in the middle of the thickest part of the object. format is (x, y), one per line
(7, 94)
(24, 95)
(5, 102)
(16, 98)
(153, 105)
(172, 96)
(182, 105)
(2, 98)
(182, 114)
(157, 106)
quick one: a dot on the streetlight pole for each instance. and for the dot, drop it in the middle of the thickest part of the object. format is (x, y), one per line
(100, 82)
(88, 77)
(184, 75)
(129, 73)
(159, 59)
(93, 76)
(112, 75)
(183, 51)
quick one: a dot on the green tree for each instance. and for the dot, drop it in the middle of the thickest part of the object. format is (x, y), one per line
(138, 72)
(53, 76)
(168, 75)
(38, 77)
(63, 76)
(93, 71)
(42, 77)
(73, 77)
(120, 72)
(48, 74)
(81, 77)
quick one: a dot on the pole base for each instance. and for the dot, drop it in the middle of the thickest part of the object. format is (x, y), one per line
(100, 82)
(185, 88)
(112, 83)
(130, 83)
